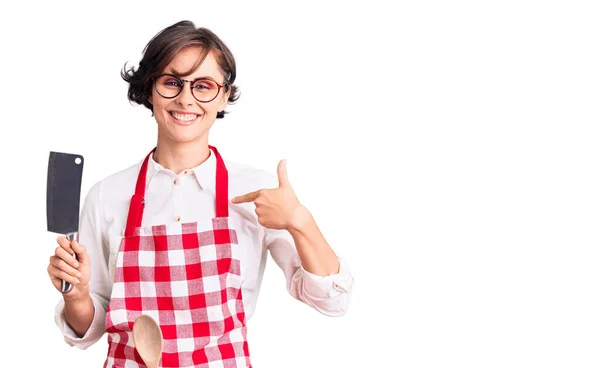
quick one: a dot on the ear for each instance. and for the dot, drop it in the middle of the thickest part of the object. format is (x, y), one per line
(150, 100)
(224, 99)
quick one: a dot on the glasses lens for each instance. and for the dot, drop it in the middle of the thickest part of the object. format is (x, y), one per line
(205, 90)
(168, 86)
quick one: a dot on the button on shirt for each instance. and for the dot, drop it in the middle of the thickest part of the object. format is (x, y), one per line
(188, 197)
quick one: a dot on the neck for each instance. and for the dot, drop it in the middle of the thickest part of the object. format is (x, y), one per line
(181, 156)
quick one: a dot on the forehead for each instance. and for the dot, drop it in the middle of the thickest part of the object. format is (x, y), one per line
(186, 59)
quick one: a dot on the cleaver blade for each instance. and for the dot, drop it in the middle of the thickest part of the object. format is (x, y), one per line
(63, 191)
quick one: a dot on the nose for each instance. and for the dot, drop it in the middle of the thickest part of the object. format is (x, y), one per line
(185, 97)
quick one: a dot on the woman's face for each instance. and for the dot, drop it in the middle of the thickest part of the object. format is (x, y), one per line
(184, 119)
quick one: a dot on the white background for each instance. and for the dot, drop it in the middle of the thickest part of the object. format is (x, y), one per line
(448, 150)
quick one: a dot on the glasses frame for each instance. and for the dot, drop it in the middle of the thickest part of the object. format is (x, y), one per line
(155, 79)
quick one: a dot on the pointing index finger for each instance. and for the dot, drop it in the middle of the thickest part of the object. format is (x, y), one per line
(248, 197)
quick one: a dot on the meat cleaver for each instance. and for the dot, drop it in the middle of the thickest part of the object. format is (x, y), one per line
(63, 190)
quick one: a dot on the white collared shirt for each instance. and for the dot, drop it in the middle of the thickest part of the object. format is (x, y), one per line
(190, 197)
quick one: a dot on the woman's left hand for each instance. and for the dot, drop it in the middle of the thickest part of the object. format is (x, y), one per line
(277, 208)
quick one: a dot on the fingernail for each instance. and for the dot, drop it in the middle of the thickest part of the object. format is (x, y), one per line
(77, 281)
(76, 264)
(78, 274)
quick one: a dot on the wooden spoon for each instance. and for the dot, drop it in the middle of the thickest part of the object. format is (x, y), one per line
(148, 340)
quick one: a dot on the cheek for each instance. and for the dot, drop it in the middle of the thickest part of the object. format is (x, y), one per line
(158, 103)
(210, 108)
(156, 100)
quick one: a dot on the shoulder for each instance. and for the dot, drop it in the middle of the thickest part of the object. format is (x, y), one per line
(245, 178)
(117, 186)
(124, 177)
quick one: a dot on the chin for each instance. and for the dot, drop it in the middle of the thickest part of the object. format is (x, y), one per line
(178, 134)
(183, 133)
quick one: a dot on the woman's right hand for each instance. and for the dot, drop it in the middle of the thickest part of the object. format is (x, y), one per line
(63, 266)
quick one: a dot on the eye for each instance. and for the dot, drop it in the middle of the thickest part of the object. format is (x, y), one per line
(171, 82)
(204, 84)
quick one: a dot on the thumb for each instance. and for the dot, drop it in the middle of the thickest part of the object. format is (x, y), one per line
(82, 255)
(282, 174)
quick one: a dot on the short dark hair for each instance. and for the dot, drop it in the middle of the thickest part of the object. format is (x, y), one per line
(161, 50)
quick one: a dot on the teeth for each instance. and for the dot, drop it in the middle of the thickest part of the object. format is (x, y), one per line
(184, 117)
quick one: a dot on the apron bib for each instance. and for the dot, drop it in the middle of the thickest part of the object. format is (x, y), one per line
(187, 277)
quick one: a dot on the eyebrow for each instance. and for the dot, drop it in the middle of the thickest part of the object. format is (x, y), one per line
(175, 72)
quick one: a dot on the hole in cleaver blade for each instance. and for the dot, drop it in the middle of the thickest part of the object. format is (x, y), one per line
(63, 190)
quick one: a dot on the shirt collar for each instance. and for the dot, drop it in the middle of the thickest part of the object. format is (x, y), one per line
(205, 173)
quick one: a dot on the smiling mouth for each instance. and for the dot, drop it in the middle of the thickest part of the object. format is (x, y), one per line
(183, 118)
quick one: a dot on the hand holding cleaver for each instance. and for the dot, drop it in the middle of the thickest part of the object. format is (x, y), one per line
(63, 190)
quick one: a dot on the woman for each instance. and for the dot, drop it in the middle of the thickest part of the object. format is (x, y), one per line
(182, 235)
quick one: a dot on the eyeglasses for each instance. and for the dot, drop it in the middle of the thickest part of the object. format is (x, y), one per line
(203, 89)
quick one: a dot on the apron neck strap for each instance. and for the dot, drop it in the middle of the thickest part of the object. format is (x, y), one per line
(221, 186)
(137, 204)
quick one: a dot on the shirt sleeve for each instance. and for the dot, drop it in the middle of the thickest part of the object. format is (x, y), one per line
(329, 294)
(91, 237)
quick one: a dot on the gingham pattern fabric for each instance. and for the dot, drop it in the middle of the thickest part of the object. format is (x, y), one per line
(187, 277)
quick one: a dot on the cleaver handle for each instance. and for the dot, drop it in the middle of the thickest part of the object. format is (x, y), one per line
(66, 287)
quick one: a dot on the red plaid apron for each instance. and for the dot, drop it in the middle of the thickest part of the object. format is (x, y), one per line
(187, 277)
